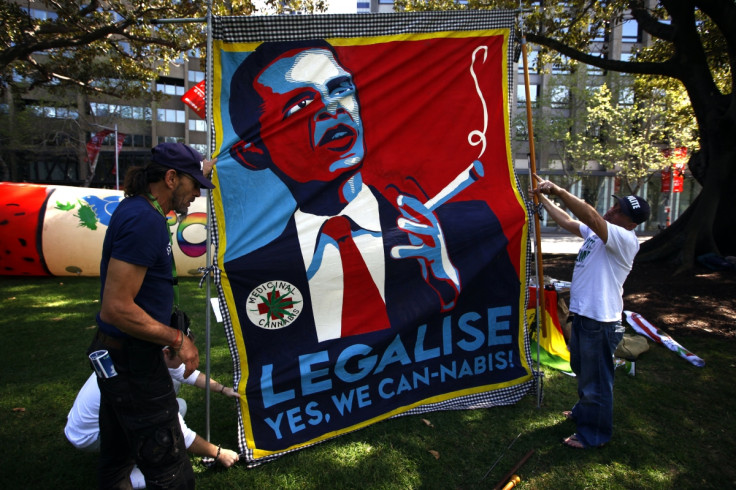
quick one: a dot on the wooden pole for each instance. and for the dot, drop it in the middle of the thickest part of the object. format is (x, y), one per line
(537, 227)
(516, 467)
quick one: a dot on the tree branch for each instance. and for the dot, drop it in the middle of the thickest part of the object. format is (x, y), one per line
(23, 51)
(651, 24)
(723, 16)
(666, 68)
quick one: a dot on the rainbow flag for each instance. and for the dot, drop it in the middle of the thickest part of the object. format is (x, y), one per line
(553, 351)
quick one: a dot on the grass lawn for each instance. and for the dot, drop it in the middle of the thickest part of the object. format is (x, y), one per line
(675, 423)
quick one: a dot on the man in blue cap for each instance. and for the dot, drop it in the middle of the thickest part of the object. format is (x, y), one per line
(596, 301)
(138, 409)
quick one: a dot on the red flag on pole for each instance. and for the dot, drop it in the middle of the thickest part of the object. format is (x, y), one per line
(121, 139)
(678, 158)
(94, 145)
(195, 98)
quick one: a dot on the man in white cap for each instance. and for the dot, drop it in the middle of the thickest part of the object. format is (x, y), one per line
(596, 301)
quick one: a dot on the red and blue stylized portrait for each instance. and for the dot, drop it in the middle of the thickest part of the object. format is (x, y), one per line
(371, 239)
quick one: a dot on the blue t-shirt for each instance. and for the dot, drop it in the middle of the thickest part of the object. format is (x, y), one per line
(139, 235)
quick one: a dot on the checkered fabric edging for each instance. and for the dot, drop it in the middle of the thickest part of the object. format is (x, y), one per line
(297, 27)
(228, 327)
(504, 396)
(244, 451)
(264, 28)
(284, 28)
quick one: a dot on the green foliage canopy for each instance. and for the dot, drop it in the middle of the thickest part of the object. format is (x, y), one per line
(107, 46)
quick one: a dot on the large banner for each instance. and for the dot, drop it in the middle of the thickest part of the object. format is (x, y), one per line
(371, 239)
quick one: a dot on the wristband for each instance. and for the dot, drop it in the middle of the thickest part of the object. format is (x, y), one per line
(222, 389)
(219, 447)
(178, 332)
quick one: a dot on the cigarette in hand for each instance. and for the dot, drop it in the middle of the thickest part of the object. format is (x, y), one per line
(459, 183)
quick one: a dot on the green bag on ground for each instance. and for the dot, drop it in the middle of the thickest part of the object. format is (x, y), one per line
(631, 347)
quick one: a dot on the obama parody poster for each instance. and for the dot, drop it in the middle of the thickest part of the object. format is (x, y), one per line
(371, 239)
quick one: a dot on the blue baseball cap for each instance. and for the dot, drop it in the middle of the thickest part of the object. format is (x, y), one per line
(182, 158)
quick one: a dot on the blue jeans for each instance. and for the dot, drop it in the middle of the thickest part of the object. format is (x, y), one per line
(592, 344)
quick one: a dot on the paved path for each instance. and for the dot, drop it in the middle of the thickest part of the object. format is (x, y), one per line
(565, 243)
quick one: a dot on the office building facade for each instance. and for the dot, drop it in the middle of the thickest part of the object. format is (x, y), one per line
(60, 155)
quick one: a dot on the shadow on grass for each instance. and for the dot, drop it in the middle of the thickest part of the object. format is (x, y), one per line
(674, 423)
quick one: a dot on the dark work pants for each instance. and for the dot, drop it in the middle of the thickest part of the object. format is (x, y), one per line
(139, 420)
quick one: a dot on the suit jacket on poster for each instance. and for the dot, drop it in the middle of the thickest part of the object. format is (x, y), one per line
(476, 245)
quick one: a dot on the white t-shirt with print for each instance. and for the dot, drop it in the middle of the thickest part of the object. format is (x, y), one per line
(600, 271)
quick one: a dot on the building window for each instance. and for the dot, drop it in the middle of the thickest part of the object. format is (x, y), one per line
(599, 35)
(531, 58)
(141, 113)
(98, 109)
(169, 89)
(132, 140)
(53, 112)
(41, 14)
(170, 139)
(521, 94)
(626, 96)
(125, 46)
(109, 139)
(521, 131)
(594, 70)
(122, 111)
(197, 125)
(560, 97)
(171, 115)
(200, 148)
(630, 31)
(592, 131)
(195, 76)
(562, 66)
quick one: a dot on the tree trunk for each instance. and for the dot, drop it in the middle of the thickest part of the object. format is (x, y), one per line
(709, 224)
(82, 164)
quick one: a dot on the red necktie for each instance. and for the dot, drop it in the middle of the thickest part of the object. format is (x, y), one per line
(363, 309)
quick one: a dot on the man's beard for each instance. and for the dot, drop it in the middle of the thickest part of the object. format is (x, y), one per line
(180, 205)
(181, 211)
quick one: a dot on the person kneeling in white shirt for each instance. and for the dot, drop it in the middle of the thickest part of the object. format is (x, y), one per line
(83, 429)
